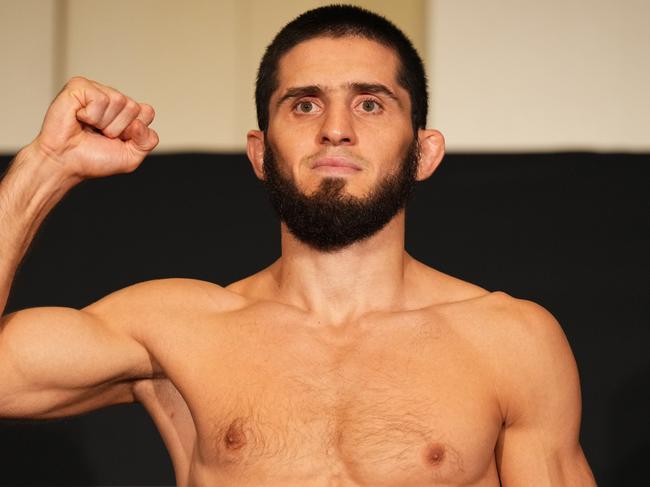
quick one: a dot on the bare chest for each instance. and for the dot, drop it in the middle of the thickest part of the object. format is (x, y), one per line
(411, 407)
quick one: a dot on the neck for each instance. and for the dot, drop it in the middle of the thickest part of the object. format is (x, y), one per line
(341, 286)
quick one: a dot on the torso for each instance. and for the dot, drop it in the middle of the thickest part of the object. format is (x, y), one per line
(258, 395)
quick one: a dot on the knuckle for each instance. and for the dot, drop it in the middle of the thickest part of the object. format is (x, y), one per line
(76, 80)
(132, 108)
(103, 99)
(119, 100)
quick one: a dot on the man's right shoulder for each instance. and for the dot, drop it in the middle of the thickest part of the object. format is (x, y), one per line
(162, 301)
(183, 291)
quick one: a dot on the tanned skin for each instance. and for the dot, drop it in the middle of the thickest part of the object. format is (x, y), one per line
(360, 367)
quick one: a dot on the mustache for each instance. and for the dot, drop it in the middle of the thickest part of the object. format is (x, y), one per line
(336, 153)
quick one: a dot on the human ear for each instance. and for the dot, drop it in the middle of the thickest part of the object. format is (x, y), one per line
(255, 151)
(432, 150)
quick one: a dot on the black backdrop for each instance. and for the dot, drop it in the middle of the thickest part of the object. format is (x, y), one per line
(569, 231)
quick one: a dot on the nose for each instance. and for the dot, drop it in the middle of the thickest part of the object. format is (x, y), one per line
(337, 127)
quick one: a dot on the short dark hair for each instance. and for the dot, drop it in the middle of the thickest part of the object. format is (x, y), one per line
(341, 21)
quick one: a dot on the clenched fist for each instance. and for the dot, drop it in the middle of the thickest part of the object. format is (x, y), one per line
(91, 130)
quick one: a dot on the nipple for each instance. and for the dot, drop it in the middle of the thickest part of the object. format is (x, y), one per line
(434, 454)
(235, 437)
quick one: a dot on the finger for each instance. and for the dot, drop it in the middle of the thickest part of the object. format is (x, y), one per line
(75, 95)
(143, 139)
(146, 116)
(147, 113)
(123, 119)
(94, 103)
(116, 103)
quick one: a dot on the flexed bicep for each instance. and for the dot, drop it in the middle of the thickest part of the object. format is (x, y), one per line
(59, 361)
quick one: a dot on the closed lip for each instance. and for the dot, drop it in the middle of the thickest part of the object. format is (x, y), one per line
(335, 162)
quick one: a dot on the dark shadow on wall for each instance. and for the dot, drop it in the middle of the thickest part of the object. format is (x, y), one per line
(30, 454)
(115, 446)
(569, 231)
(629, 430)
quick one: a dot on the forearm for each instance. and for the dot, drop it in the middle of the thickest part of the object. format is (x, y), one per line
(32, 186)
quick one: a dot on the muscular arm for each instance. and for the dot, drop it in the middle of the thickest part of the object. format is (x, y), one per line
(59, 362)
(539, 443)
(56, 361)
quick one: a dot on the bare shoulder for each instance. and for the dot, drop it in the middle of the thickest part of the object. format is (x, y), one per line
(524, 343)
(524, 323)
(520, 327)
(163, 301)
(496, 307)
(169, 293)
(495, 311)
(530, 352)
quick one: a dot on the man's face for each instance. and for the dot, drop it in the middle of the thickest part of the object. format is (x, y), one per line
(340, 154)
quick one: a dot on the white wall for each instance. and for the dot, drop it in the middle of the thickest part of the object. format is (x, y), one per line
(505, 75)
(194, 61)
(525, 75)
(27, 69)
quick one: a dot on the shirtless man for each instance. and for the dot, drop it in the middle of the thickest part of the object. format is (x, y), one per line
(344, 363)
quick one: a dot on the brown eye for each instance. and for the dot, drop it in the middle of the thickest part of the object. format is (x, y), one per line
(305, 106)
(368, 105)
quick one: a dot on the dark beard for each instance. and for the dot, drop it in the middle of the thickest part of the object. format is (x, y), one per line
(329, 219)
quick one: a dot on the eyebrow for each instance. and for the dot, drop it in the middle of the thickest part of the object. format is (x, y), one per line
(299, 92)
(317, 90)
(374, 88)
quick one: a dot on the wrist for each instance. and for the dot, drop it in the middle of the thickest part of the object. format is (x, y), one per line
(33, 185)
(45, 167)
